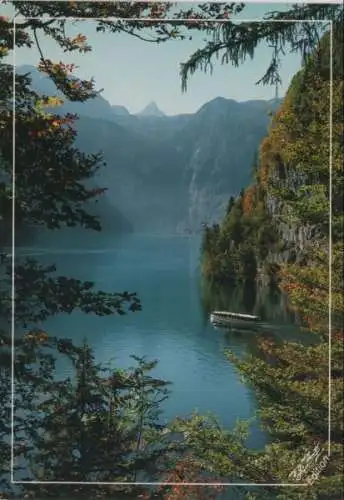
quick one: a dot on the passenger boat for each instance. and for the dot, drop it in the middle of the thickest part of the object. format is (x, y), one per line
(224, 318)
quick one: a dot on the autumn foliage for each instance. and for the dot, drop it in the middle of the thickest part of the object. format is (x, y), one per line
(249, 200)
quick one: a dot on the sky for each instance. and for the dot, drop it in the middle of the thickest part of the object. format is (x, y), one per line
(134, 73)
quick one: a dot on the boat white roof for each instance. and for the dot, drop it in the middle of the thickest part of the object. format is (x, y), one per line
(238, 315)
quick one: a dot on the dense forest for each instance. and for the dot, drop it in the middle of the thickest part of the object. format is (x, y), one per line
(101, 424)
(283, 227)
(279, 217)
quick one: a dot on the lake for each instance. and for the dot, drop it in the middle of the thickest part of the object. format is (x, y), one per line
(172, 327)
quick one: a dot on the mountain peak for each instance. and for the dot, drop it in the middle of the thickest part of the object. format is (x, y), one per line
(151, 110)
(218, 104)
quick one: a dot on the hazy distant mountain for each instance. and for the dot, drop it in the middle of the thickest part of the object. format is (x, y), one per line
(170, 173)
(151, 110)
(120, 110)
(183, 171)
(93, 108)
(40, 82)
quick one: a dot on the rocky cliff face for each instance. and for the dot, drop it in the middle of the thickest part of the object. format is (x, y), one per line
(294, 166)
(217, 151)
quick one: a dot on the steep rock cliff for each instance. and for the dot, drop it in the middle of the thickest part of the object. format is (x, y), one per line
(295, 158)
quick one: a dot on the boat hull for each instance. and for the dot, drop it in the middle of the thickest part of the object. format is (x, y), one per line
(233, 322)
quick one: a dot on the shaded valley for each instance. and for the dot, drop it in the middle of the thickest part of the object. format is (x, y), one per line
(167, 173)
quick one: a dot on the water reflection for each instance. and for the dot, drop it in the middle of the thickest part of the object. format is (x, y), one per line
(164, 271)
(281, 323)
(266, 302)
(173, 326)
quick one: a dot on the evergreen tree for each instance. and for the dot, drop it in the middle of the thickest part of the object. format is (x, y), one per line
(230, 205)
(235, 42)
(301, 409)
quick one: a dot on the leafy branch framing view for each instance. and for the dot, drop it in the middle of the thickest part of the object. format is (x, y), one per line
(102, 425)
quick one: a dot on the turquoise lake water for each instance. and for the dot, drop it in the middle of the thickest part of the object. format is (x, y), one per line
(172, 327)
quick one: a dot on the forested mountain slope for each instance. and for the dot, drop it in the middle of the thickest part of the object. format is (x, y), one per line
(284, 212)
(280, 227)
